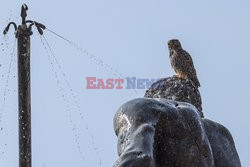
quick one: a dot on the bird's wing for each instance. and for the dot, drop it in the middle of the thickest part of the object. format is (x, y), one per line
(189, 67)
(188, 62)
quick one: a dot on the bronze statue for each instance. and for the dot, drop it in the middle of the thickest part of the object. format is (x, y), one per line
(167, 128)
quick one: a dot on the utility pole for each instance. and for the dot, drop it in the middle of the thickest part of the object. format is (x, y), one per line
(23, 33)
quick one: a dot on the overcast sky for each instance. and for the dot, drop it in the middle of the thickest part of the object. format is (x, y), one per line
(72, 125)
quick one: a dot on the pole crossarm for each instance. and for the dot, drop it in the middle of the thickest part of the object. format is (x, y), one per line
(23, 33)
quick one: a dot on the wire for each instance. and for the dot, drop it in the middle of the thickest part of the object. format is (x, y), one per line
(74, 99)
(94, 58)
(7, 81)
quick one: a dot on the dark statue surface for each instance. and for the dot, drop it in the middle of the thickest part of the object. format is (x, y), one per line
(159, 132)
(178, 89)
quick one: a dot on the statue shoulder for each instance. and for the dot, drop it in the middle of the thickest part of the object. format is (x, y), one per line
(135, 112)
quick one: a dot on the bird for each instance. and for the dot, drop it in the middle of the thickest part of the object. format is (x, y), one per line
(181, 62)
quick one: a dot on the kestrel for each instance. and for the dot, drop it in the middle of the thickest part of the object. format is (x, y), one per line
(182, 62)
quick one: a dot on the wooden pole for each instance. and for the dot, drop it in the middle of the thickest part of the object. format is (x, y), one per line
(23, 33)
(24, 96)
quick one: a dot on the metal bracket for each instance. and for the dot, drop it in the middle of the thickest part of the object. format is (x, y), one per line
(40, 27)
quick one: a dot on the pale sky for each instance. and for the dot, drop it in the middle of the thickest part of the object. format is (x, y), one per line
(74, 127)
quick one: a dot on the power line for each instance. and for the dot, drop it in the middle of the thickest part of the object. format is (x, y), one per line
(74, 98)
(7, 81)
(94, 58)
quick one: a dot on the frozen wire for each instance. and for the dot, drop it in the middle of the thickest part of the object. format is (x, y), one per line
(4, 47)
(63, 95)
(94, 58)
(7, 82)
(74, 100)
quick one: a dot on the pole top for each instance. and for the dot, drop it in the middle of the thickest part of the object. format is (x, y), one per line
(24, 13)
(26, 24)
